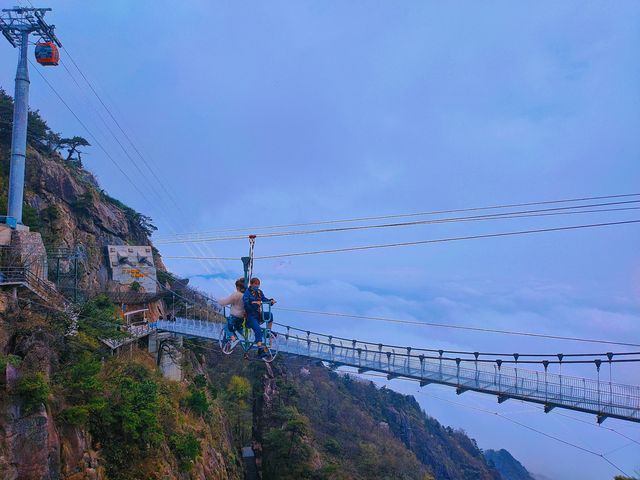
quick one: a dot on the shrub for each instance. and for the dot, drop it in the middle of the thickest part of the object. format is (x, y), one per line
(9, 360)
(197, 401)
(200, 381)
(34, 391)
(332, 446)
(186, 447)
(238, 388)
(213, 391)
(128, 424)
(98, 319)
(82, 380)
(31, 217)
(75, 416)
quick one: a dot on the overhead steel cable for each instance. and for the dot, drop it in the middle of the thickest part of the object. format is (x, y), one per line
(97, 142)
(497, 216)
(133, 145)
(419, 242)
(417, 214)
(92, 136)
(463, 327)
(124, 133)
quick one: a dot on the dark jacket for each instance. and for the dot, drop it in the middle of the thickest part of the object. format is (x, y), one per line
(253, 294)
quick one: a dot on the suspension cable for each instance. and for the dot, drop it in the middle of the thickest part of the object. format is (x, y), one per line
(418, 214)
(495, 216)
(463, 327)
(419, 242)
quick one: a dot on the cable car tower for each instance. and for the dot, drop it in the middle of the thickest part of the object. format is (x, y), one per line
(16, 24)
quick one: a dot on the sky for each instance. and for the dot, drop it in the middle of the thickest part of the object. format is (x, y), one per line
(262, 113)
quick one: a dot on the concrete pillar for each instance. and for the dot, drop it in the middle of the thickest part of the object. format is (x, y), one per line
(19, 135)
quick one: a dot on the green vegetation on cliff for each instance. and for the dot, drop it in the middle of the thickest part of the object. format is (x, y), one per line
(139, 424)
(308, 422)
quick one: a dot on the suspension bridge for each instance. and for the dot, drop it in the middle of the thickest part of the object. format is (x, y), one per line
(466, 371)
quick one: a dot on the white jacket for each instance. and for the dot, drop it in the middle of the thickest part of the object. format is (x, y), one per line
(235, 300)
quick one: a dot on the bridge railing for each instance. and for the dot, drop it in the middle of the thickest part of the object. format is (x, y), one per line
(488, 376)
(497, 377)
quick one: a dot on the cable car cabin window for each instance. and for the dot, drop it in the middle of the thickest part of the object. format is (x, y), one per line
(47, 53)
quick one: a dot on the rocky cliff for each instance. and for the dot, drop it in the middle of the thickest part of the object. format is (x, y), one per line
(67, 409)
(68, 412)
(509, 467)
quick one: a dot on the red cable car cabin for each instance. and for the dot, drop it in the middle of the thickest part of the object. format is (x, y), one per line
(47, 53)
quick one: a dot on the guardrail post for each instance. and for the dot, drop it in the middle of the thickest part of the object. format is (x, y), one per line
(610, 357)
(476, 355)
(598, 362)
(560, 357)
(515, 357)
(545, 363)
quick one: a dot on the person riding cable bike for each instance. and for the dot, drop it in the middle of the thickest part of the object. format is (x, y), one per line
(237, 315)
(253, 298)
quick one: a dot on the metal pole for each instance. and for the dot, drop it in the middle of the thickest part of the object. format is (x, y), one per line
(19, 136)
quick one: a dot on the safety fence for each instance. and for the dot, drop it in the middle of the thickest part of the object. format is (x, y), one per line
(496, 376)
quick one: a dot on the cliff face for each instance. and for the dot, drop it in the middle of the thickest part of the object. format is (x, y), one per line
(509, 467)
(309, 422)
(64, 202)
(67, 409)
(31, 444)
(66, 413)
(69, 209)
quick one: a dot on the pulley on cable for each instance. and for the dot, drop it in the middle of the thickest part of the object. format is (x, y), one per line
(247, 262)
(47, 54)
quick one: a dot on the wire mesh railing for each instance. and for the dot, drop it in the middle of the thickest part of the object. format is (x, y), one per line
(496, 377)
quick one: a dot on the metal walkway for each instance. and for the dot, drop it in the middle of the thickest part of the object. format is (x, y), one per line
(495, 377)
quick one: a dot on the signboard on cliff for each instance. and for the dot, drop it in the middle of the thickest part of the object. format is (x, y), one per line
(131, 265)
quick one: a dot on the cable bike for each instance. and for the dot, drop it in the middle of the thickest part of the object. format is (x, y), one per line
(245, 338)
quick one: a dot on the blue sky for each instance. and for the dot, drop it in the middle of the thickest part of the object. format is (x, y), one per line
(281, 112)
